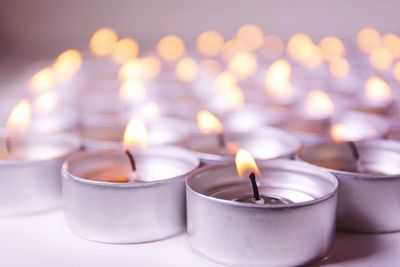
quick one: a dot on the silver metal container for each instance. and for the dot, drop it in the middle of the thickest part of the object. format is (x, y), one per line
(127, 212)
(361, 126)
(264, 144)
(298, 230)
(368, 201)
(165, 131)
(30, 175)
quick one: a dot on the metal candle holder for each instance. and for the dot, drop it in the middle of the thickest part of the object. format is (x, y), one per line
(369, 188)
(149, 209)
(226, 228)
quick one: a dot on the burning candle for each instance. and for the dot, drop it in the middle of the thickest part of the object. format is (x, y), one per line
(129, 195)
(369, 184)
(31, 164)
(270, 200)
(214, 145)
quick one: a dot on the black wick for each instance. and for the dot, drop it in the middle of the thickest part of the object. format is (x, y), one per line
(252, 178)
(131, 160)
(221, 140)
(354, 150)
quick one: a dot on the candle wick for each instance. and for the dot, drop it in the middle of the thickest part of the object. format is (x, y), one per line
(221, 140)
(8, 144)
(354, 150)
(131, 160)
(256, 194)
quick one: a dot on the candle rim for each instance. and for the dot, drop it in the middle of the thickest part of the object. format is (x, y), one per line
(333, 192)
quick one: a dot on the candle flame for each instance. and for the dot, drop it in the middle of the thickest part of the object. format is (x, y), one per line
(245, 164)
(277, 81)
(233, 47)
(103, 42)
(131, 90)
(340, 133)
(368, 39)
(242, 65)
(186, 70)
(46, 102)
(274, 46)
(132, 69)
(392, 44)
(135, 135)
(377, 90)
(381, 59)
(150, 111)
(224, 80)
(171, 48)
(20, 117)
(252, 36)
(151, 67)
(331, 47)
(67, 64)
(339, 67)
(42, 81)
(208, 123)
(209, 43)
(300, 46)
(124, 50)
(319, 105)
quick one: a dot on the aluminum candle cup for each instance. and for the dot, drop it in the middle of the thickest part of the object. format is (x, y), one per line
(264, 144)
(368, 201)
(30, 173)
(150, 208)
(164, 131)
(358, 125)
(226, 228)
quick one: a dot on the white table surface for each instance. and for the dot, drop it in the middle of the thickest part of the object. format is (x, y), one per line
(45, 240)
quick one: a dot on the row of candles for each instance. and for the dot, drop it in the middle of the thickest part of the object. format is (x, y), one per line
(223, 120)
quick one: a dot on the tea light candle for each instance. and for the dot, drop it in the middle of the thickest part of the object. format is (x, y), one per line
(163, 131)
(131, 197)
(220, 204)
(32, 163)
(343, 126)
(369, 189)
(264, 143)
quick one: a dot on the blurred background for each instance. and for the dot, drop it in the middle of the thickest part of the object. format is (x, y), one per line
(40, 29)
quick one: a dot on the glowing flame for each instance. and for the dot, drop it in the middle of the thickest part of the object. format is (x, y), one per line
(46, 102)
(210, 43)
(124, 50)
(135, 135)
(273, 46)
(20, 117)
(339, 67)
(368, 39)
(396, 71)
(132, 69)
(251, 35)
(277, 81)
(392, 44)
(67, 64)
(42, 80)
(245, 164)
(300, 47)
(131, 90)
(243, 65)
(171, 48)
(150, 111)
(331, 47)
(232, 97)
(378, 91)
(319, 105)
(103, 42)
(340, 133)
(233, 47)
(151, 67)
(381, 59)
(186, 70)
(224, 80)
(208, 123)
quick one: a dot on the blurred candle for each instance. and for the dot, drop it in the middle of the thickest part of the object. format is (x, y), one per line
(124, 50)
(209, 43)
(103, 42)
(171, 48)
